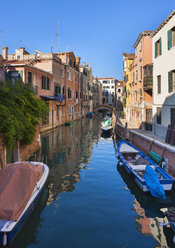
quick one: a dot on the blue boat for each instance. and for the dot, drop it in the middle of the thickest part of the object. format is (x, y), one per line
(90, 115)
(8, 227)
(135, 162)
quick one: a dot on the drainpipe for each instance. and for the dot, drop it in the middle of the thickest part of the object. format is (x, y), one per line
(65, 82)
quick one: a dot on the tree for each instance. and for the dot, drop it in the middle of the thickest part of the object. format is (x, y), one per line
(20, 112)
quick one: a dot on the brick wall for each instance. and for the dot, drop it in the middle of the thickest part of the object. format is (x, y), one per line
(145, 144)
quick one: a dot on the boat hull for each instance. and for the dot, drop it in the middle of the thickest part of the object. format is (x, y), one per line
(166, 183)
(6, 237)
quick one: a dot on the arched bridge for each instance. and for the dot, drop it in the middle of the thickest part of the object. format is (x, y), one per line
(108, 107)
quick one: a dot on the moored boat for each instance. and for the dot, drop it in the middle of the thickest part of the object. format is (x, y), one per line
(21, 185)
(141, 167)
(106, 125)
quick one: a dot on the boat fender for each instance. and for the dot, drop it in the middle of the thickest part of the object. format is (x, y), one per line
(120, 163)
(4, 239)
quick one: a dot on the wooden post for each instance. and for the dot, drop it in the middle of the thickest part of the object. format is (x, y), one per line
(162, 156)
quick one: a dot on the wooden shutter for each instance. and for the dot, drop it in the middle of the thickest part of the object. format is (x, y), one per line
(169, 39)
(48, 83)
(160, 43)
(170, 81)
(156, 49)
(42, 83)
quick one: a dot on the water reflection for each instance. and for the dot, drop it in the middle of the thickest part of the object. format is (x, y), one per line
(149, 217)
(150, 226)
(66, 149)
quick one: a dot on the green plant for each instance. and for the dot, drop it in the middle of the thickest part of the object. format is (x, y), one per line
(20, 112)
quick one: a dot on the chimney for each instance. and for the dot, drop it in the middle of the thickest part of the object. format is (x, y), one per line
(5, 53)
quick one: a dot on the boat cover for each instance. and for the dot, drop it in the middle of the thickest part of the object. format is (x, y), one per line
(153, 183)
(125, 148)
(17, 182)
(107, 122)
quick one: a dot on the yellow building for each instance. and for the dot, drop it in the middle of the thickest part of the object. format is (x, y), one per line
(127, 63)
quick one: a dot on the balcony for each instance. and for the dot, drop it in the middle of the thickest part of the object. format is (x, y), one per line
(148, 83)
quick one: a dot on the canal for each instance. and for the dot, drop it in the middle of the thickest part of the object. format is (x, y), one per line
(89, 200)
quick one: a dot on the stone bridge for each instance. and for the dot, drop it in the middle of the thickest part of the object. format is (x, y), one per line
(103, 106)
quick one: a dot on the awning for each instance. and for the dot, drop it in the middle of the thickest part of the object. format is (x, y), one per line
(59, 98)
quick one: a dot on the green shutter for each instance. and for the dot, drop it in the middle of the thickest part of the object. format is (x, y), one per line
(160, 42)
(170, 81)
(156, 49)
(43, 83)
(48, 83)
(169, 39)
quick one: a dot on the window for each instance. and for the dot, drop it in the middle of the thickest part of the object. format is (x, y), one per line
(159, 84)
(58, 113)
(171, 81)
(136, 76)
(29, 77)
(173, 116)
(69, 93)
(158, 47)
(70, 61)
(140, 72)
(133, 77)
(63, 90)
(62, 73)
(119, 90)
(112, 87)
(171, 38)
(57, 90)
(158, 115)
(45, 83)
(68, 75)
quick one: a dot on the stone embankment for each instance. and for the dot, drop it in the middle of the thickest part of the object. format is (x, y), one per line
(145, 141)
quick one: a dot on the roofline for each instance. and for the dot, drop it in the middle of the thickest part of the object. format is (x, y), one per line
(144, 33)
(163, 23)
(29, 66)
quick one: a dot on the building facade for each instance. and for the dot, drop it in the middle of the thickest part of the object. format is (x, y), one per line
(141, 82)
(163, 42)
(108, 89)
(127, 63)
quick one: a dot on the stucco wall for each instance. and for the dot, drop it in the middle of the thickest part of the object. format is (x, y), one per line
(162, 65)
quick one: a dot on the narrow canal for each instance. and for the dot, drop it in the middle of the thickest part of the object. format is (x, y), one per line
(89, 200)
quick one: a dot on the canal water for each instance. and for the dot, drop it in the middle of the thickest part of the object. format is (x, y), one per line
(89, 201)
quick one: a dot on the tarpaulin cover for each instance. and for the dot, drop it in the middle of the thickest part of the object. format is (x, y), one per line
(17, 182)
(153, 183)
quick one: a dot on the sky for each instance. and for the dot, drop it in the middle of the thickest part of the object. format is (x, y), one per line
(98, 31)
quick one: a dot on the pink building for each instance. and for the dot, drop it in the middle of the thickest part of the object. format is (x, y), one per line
(141, 82)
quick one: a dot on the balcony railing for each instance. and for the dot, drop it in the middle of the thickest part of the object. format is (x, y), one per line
(148, 83)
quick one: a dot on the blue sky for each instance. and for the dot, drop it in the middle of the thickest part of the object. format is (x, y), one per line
(96, 30)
